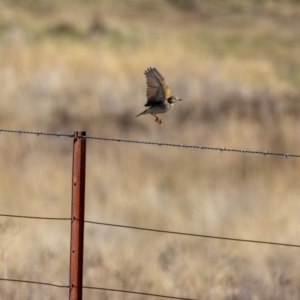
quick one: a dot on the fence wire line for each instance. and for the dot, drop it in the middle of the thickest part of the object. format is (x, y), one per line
(136, 293)
(32, 217)
(37, 133)
(194, 234)
(155, 230)
(94, 288)
(221, 149)
(35, 282)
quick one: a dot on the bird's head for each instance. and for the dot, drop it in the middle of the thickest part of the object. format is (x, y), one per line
(173, 99)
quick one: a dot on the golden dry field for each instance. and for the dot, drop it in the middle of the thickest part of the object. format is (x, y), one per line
(78, 65)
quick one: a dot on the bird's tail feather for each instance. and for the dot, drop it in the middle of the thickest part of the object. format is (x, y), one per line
(142, 113)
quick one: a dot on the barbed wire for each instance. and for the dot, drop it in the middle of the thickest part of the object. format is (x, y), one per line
(220, 149)
(37, 133)
(33, 217)
(193, 234)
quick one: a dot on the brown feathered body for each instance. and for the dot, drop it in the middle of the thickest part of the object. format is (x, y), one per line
(158, 94)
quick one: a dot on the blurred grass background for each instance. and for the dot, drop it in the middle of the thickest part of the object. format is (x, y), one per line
(72, 65)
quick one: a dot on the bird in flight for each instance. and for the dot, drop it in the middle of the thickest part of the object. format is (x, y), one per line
(158, 95)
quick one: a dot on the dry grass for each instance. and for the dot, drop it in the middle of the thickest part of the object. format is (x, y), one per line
(67, 67)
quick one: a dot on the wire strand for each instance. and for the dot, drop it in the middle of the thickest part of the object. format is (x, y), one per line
(221, 149)
(194, 235)
(94, 288)
(37, 133)
(155, 230)
(35, 282)
(136, 293)
(33, 217)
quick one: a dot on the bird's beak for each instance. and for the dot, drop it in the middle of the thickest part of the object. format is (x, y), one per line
(180, 99)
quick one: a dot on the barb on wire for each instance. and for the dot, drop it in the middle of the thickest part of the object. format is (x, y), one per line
(37, 133)
(194, 234)
(221, 149)
(136, 293)
(35, 282)
(33, 217)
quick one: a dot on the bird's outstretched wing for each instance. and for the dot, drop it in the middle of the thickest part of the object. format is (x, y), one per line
(157, 89)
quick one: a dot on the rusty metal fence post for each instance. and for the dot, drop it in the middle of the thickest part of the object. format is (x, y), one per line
(77, 216)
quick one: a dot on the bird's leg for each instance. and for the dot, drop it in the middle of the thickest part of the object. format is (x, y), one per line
(157, 118)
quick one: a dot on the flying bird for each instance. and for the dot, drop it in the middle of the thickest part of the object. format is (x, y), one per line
(158, 95)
